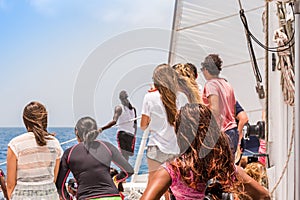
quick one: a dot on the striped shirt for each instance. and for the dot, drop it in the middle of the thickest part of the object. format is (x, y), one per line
(35, 164)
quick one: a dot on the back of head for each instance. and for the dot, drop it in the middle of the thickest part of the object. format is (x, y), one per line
(205, 148)
(165, 80)
(123, 96)
(193, 69)
(187, 74)
(258, 172)
(188, 70)
(35, 120)
(165, 76)
(213, 64)
(87, 130)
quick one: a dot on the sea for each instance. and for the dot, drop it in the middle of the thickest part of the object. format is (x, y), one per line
(64, 135)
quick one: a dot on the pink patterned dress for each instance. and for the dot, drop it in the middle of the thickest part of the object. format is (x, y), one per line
(182, 191)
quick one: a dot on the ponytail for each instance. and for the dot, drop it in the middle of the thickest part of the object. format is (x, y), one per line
(87, 130)
(89, 137)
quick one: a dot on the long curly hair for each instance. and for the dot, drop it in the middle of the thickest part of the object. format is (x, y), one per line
(165, 81)
(187, 81)
(35, 118)
(205, 150)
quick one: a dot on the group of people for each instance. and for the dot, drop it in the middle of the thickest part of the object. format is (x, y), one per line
(192, 139)
(38, 168)
(207, 134)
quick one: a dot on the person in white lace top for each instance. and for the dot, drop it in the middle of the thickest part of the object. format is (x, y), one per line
(33, 158)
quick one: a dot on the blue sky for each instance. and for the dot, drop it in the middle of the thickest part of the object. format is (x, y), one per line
(44, 45)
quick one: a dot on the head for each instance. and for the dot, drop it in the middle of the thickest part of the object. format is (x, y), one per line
(187, 74)
(165, 76)
(113, 172)
(86, 130)
(123, 96)
(165, 80)
(35, 118)
(193, 68)
(203, 146)
(72, 186)
(212, 64)
(258, 172)
(188, 70)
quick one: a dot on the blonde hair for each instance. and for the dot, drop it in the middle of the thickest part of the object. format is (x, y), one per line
(187, 82)
(258, 172)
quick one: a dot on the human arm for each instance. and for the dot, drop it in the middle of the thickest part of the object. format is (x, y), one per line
(158, 185)
(121, 162)
(145, 120)
(252, 187)
(135, 121)
(117, 113)
(3, 184)
(242, 117)
(11, 171)
(62, 175)
(213, 104)
(56, 168)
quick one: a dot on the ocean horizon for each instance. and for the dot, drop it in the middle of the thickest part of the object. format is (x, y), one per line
(64, 135)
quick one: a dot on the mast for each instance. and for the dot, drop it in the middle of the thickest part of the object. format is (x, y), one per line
(297, 100)
(172, 43)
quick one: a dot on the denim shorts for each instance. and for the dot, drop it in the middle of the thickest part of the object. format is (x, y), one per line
(157, 155)
(233, 138)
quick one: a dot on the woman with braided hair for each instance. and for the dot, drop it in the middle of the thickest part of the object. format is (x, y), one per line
(187, 81)
(33, 158)
(204, 155)
(89, 161)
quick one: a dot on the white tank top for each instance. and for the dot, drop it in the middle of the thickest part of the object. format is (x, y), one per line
(124, 120)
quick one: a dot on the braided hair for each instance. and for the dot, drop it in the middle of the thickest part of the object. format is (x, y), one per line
(187, 81)
(87, 130)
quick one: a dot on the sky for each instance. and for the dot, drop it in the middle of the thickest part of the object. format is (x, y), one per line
(75, 56)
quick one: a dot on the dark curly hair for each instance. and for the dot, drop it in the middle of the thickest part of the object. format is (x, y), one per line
(205, 150)
(213, 64)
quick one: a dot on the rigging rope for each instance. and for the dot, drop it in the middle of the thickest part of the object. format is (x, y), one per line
(288, 157)
(259, 87)
(286, 57)
(285, 65)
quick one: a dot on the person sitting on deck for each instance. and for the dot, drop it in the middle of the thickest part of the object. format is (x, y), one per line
(72, 188)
